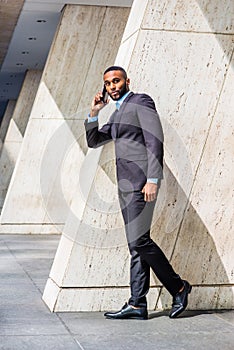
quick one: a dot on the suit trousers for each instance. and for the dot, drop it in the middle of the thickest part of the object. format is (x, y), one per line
(145, 253)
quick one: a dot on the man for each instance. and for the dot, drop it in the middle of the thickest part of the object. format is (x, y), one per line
(136, 130)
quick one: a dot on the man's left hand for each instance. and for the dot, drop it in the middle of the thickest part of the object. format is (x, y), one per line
(150, 192)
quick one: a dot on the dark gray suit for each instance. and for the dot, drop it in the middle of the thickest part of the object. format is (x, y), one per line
(137, 133)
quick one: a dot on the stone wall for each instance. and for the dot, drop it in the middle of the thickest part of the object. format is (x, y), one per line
(182, 55)
(14, 126)
(6, 120)
(42, 185)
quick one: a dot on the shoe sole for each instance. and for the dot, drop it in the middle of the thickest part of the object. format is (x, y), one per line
(126, 318)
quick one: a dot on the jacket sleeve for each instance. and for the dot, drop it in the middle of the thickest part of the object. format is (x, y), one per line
(153, 135)
(97, 137)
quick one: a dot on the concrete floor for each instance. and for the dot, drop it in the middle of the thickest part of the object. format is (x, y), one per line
(26, 322)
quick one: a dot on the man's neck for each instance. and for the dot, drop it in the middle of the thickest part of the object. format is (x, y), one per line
(123, 97)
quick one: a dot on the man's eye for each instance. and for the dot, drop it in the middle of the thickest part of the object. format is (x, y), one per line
(115, 81)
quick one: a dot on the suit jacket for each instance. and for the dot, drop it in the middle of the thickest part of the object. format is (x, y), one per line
(136, 130)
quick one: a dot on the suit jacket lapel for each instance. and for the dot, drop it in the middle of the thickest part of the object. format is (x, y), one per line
(123, 105)
(114, 124)
(121, 110)
(116, 117)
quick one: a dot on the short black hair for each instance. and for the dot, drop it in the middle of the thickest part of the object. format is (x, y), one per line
(111, 68)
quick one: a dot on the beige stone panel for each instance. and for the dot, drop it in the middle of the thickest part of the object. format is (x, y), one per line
(174, 75)
(6, 119)
(47, 191)
(125, 53)
(58, 157)
(96, 237)
(25, 188)
(204, 298)
(80, 195)
(87, 53)
(72, 53)
(195, 255)
(214, 184)
(171, 200)
(89, 240)
(96, 299)
(89, 223)
(185, 87)
(45, 106)
(106, 47)
(84, 235)
(62, 258)
(60, 186)
(208, 224)
(72, 262)
(16, 130)
(67, 197)
(73, 178)
(13, 135)
(95, 232)
(54, 178)
(26, 99)
(8, 160)
(213, 297)
(173, 58)
(97, 266)
(168, 214)
(50, 294)
(194, 15)
(37, 229)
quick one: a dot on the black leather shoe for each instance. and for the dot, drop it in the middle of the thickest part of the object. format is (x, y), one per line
(180, 301)
(128, 312)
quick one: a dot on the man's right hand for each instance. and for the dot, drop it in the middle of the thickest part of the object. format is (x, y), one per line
(97, 104)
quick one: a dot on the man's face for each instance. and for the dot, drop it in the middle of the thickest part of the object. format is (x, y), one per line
(116, 84)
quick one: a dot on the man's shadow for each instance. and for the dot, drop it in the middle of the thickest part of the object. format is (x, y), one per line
(185, 314)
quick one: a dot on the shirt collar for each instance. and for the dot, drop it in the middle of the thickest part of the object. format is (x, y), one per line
(120, 101)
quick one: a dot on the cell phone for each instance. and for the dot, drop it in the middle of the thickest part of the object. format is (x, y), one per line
(104, 94)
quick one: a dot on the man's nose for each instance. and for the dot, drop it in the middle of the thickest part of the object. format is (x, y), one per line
(112, 86)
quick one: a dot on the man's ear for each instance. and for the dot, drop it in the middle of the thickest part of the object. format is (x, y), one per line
(128, 81)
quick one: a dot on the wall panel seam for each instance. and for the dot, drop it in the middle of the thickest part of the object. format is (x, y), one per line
(184, 31)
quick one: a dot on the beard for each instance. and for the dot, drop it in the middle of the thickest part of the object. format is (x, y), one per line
(116, 95)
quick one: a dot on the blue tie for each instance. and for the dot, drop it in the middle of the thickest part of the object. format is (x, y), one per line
(117, 105)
